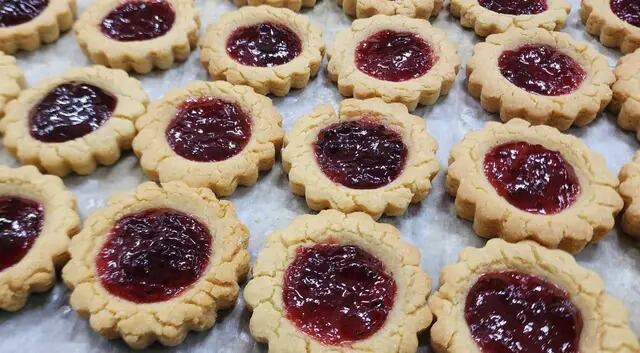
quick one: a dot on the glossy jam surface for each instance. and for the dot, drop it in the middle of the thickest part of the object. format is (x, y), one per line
(153, 255)
(394, 56)
(531, 177)
(514, 312)
(541, 69)
(69, 111)
(208, 129)
(515, 7)
(627, 10)
(265, 44)
(21, 221)
(360, 154)
(17, 12)
(138, 20)
(337, 293)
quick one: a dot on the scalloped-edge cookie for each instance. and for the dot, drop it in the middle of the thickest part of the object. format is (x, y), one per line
(423, 9)
(378, 261)
(613, 31)
(177, 139)
(156, 263)
(516, 181)
(571, 90)
(293, 5)
(363, 60)
(74, 121)
(11, 80)
(371, 156)
(38, 217)
(626, 93)
(153, 34)
(226, 49)
(629, 189)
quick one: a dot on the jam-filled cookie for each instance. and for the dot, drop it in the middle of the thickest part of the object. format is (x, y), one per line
(371, 156)
(525, 298)
(156, 263)
(516, 181)
(626, 93)
(209, 134)
(270, 49)
(75, 121)
(37, 217)
(423, 9)
(11, 80)
(615, 22)
(365, 60)
(630, 191)
(336, 282)
(138, 35)
(543, 77)
(293, 5)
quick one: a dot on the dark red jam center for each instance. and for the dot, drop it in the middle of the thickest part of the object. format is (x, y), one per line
(627, 10)
(69, 111)
(360, 154)
(509, 312)
(209, 129)
(337, 294)
(515, 7)
(265, 44)
(138, 20)
(541, 69)
(21, 221)
(394, 56)
(531, 177)
(16, 12)
(153, 255)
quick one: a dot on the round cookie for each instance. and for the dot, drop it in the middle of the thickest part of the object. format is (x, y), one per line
(626, 93)
(11, 80)
(629, 181)
(615, 22)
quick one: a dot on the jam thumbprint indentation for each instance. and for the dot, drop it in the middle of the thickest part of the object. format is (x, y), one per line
(138, 20)
(627, 10)
(153, 255)
(515, 7)
(17, 12)
(337, 293)
(265, 44)
(21, 221)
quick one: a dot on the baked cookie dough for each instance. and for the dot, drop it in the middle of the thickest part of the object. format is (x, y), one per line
(156, 263)
(626, 93)
(523, 295)
(209, 134)
(543, 77)
(364, 60)
(371, 156)
(138, 35)
(629, 190)
(75, 121)
(270, 49)
(11, 80)
(423, 9)
(293, 5)
(517, 182)
(615, 22)
(38, 217)
(337, 282)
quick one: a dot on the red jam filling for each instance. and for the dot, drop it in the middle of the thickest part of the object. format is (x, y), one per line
(531, 177)
(510, 312)
(153, 255)
(394, 56)
(17, 12)
(209, 129)
(337, 293)
(265, 44)
(627, 10)
(541, 69)
(360, 154)
(515, 7)
(69, 111)
(138, 20)
(21, 221)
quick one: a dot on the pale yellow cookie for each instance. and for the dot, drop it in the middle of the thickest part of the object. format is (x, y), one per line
(630, 191)
(11, 80)
(293, 5)
(626, 93)
(423, 9)
(600, 20)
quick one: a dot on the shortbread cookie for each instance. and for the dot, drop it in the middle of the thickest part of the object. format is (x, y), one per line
(506, 296)
(423, 9)
(293, 5)
(371, 156)
(364, 60)
(37, 218)
(543, 77)
(615, 22)
(138, 35)
(270, 49)
(11, 80)
(516, 181)
(630, 191)
(156, 263)
(209, 134)
(626, 93)
(75, 121)
(338, 283)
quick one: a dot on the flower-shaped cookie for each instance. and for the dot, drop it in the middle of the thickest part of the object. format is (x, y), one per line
(516, 181)
(371, 156)
(630, 191)
(293, 5)
(523, 295)
(338, 283)
(27, 24)
(138, 35)
(11, 80)
(423, 9)
(270, 49)
(626, 93)
(156, 263)
(38, 217)
(74, 121)
(209, 134)
(543, 77)
(364, 60)
(616, 22)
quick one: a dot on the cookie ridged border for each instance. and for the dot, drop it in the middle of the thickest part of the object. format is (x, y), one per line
(11, 80)
(423, 9)
(630, 191)
(626, 93)
(293, 5)
(600, 21)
